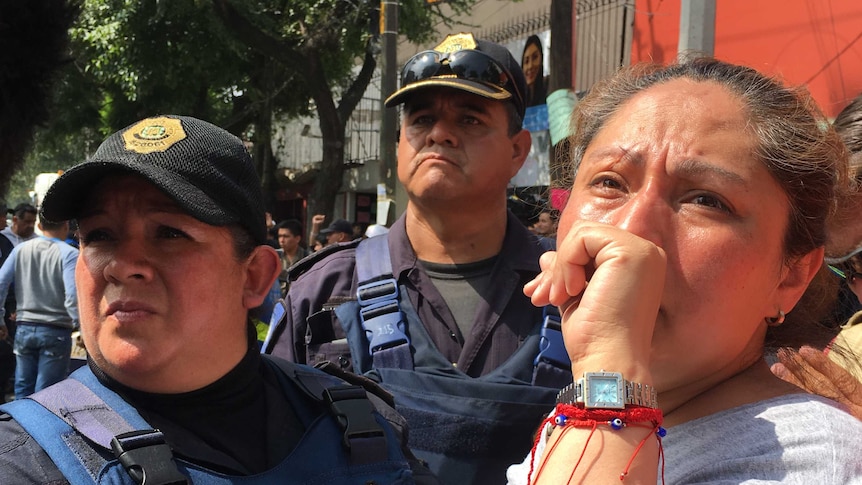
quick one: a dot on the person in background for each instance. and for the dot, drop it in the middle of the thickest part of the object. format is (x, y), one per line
(22, 229)
(339, 231)
(289, 233)
(845, 231)
(3, 221)
(717, 182)
(317, 221)
(43, 273)
(546, 224)
(8, 304)
(23, 224)
(845, 245)
(359, 229)
(533, 64)
(173, 258)
(319, 243)
(7, 363)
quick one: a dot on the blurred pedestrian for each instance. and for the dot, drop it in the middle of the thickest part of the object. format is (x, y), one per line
(339, 231)
(43, 272)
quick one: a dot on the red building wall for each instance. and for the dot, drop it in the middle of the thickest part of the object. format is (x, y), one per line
(813, 42)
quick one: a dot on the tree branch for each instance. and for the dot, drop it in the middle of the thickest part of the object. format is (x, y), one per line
(353, 94)
(253, 37)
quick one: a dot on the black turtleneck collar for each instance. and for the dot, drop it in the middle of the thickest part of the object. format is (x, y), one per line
(226, 426)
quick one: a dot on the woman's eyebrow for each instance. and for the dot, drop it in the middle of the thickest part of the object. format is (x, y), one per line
(691, 168)
(618, 154)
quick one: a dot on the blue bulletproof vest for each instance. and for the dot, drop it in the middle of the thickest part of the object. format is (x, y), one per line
(94, 436)
(468, 430)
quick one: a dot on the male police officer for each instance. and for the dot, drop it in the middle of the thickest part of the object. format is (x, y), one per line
(443, 294)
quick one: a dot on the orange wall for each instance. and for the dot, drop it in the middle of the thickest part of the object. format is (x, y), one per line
(812, 42)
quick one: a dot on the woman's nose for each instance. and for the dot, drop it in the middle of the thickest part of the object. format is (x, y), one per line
(644, 215)
(129, 261)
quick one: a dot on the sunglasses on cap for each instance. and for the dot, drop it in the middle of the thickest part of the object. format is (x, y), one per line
(847, 273)
(467, 64)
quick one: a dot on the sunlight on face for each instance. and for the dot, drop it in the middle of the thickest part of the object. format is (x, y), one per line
(675, 166)
(154, 288)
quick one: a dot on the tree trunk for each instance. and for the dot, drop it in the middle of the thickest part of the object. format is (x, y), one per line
(327, 182)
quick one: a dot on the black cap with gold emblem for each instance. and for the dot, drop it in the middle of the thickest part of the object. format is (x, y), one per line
(202, 167)
(468, 64)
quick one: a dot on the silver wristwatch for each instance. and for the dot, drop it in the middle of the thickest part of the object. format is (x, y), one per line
(607, 390)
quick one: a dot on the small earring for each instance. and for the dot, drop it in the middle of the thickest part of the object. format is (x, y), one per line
(777, 320)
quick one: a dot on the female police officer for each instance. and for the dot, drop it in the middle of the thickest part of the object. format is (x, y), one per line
(173, 257)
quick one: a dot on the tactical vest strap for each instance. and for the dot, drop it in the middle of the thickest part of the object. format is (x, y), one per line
(80, 408)
(384, 323)
(143, 453)
(363, 438)
(319, 459)
(380, 312)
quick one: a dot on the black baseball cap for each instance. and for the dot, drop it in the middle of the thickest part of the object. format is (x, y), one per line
(338, 225)
(203, 168)
(463, 62)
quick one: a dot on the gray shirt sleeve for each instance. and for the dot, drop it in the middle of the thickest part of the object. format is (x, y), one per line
(793, 439)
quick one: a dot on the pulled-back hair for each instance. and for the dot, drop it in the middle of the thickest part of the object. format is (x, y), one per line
(794, 141)
(848, 124)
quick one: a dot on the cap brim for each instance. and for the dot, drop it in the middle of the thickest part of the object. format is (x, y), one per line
(67, 195)
(473, 87)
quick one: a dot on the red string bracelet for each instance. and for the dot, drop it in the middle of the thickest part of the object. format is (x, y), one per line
(568, 416)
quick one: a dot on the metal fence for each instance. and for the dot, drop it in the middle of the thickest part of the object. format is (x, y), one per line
(603, 38)
(518, 28)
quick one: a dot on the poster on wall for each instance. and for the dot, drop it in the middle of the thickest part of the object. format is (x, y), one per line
(532, 52)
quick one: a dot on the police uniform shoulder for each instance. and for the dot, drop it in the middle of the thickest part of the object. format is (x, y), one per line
(308, 262)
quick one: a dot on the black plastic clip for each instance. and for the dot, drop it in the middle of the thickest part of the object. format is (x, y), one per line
(147, 458)
(355, 415)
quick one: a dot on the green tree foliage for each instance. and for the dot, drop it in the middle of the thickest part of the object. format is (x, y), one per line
(237, 63)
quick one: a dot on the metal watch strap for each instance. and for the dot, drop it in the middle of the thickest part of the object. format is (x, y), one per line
(568, 395)
(636, 394)
(643, 395)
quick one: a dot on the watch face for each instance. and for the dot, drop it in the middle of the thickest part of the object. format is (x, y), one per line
(603, 391)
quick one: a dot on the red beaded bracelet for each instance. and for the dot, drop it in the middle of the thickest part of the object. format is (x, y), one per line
(568, 415)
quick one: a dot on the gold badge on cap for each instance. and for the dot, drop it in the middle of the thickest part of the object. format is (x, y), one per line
(153, 135)
(457, 42)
